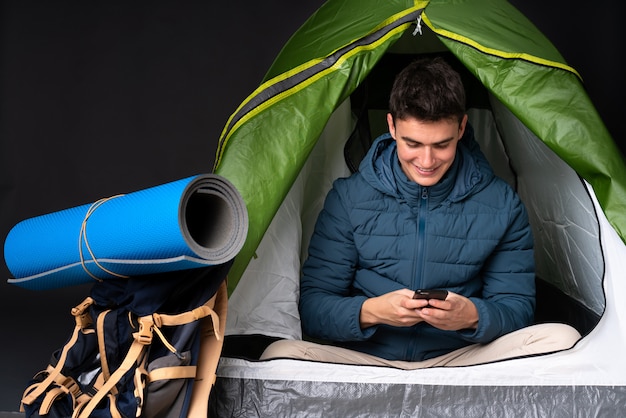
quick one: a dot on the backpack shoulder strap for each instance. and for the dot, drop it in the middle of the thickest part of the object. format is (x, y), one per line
(141, 340)
(211, 343)
(209, 319)
(83, 320)
(213, 322)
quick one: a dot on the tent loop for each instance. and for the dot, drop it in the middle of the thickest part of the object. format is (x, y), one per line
(418, 25)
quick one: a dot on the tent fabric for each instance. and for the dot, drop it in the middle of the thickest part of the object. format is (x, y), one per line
(267, 140)
(566, 231)
(265, 300)
(285, 145)
(275, 128)
(194, 222)
(287, 388)
(502, 48)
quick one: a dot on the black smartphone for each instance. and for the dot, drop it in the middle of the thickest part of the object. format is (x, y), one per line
(440, 294)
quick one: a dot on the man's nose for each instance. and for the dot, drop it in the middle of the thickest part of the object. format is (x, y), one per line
(428, 157)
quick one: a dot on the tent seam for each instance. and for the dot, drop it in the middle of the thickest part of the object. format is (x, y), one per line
(389, 28)
(498, 53)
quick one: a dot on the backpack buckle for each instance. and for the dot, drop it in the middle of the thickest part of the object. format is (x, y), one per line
(81, 313)
(72, 386)
(144, 334)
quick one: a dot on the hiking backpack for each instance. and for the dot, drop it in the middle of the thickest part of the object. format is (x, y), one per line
(144, 346)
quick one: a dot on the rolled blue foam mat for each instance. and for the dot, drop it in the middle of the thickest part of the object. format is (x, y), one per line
(194, 222)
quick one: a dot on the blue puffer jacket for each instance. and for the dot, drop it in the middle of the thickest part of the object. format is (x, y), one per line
(379, 232)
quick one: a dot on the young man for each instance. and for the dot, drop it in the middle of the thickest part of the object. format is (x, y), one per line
(425, 211)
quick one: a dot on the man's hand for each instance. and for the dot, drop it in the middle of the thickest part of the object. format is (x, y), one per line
(396, 308)
(455, 313)
(399, 309)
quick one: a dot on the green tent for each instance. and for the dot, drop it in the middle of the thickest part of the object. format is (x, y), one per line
(267, 140)
(320, 105)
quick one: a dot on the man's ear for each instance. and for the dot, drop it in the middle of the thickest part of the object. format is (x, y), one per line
(391, 126)
(462, 126)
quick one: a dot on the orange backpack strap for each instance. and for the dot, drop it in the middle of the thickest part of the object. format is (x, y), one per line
(211, 343)
(83, 320)
(142, 339)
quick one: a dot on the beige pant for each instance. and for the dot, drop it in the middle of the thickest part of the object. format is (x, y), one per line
(535, 339)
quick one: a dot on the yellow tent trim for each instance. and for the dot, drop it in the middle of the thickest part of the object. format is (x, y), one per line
(496, 52)
(301, 86)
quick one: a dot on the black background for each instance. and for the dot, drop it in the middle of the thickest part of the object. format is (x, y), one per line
(100, 97)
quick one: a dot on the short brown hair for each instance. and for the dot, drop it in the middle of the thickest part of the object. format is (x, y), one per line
(428, 89)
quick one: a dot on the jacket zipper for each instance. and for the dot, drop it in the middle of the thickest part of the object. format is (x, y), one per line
(421, 236)
(420, 256)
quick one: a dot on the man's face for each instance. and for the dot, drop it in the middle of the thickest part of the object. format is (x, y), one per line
(426, 150)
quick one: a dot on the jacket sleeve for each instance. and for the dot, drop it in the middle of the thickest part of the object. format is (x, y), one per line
(508, 296)
(328, 310)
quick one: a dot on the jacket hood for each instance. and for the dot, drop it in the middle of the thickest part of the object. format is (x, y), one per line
(381, 169)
